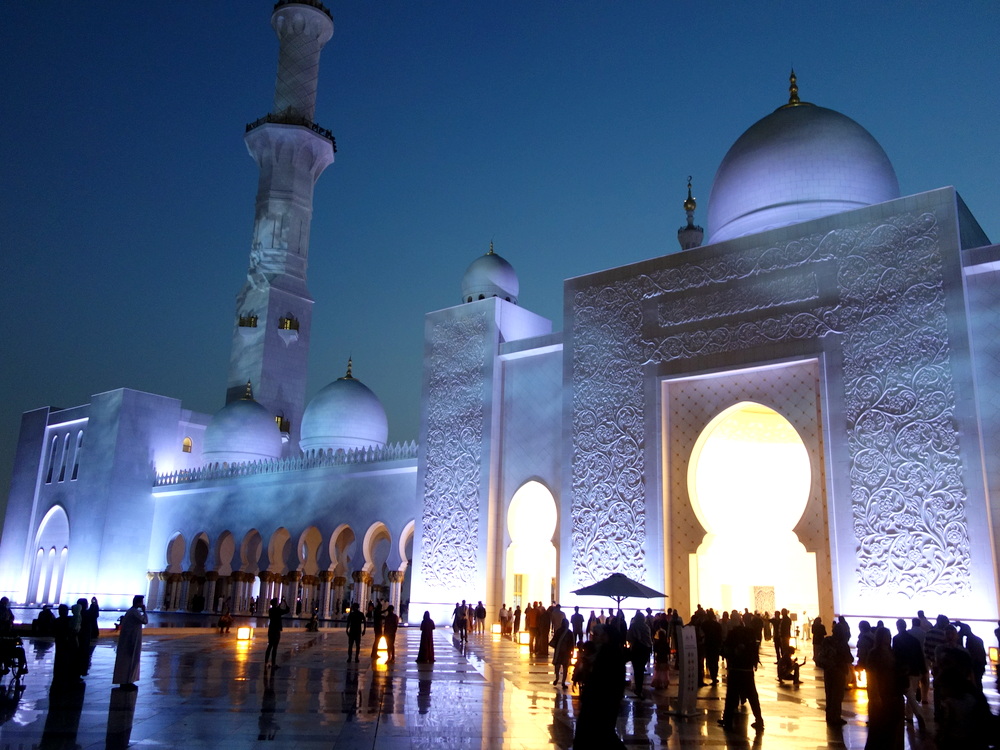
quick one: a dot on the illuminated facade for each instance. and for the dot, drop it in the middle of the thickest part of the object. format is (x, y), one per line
(801, 412)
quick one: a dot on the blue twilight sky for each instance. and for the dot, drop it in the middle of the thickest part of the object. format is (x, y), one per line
(563, 131)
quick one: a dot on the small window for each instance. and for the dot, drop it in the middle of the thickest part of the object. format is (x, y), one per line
(187, 445)
(76, 455)
(482, 296)
(52, 460)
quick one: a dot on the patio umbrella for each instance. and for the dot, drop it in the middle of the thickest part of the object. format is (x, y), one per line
(619, 586)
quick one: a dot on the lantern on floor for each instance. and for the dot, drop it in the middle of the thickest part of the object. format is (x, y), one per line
(244, 633)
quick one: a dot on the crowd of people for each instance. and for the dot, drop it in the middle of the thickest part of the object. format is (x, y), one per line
(925, 671)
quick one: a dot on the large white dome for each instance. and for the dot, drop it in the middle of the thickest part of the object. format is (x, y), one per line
(344, 415)
(242, 431)
(800, 162)
(490, 276)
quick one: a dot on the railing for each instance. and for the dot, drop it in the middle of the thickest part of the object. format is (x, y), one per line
(287, 118)
(310, 460)
(314, 3)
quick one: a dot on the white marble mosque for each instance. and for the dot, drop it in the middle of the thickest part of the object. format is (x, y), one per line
(799, 408)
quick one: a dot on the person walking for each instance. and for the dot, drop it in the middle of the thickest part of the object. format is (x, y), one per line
(356, 627)
(834, 658)
(601, 693)
(640, 647)
(377, 619)
(274, 627)
(577, 621)
(910, 660)
(390, 624)
(742, 658)
(425, 654)
(886, 688)
(562, 654)
(129, 648)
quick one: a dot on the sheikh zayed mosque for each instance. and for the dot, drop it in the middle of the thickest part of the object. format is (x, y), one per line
(799, 408)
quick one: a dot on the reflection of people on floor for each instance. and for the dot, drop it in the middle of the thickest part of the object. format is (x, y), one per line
(129, 643)
(10, 697)
(63, 719)
(121, 714)
(349, 698)
(423, 696)
(266, 726)
(425, 655)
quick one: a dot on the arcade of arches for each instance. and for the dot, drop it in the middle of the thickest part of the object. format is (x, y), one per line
(207, 575)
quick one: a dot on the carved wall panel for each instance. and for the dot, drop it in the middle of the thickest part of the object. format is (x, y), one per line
(456, 414)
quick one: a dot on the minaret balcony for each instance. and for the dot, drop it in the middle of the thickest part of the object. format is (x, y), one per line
(288, 118)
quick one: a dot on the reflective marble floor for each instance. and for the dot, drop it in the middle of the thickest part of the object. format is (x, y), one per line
(202, 690)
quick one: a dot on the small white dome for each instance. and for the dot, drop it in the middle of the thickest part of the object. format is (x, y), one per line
(240, 432)
(344, 415)
(490, 276)
(801, 162)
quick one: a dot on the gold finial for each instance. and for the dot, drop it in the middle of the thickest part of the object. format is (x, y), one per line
(491, 248)
(248, 393)
(348, 376)
(690, 204)
(793, 93)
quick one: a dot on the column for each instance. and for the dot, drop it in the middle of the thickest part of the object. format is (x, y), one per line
(152, 588)
(325, 578)
(338, 594)
(395, 588)
(290, 589)
(182, 599)
(210, 580)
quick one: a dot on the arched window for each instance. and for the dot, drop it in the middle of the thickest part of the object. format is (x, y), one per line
(52, 459)
(76, 455)
(65, 458)
(187, 445)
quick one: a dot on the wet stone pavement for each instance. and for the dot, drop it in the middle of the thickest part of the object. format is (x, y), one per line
(202, 690)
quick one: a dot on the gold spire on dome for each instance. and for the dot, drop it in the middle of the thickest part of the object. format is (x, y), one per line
(491, 248)
(690, 204)
(793, 93)
(348, 376)
(248, 393)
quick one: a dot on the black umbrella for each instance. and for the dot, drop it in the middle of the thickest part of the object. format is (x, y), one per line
(619, 586)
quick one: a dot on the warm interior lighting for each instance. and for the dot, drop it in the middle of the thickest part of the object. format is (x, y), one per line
(524, 638)
(244, 633)
(749, 480)
(793, 642)
(495, 628)
(861, 679)
(382, 651)
(994, 655)
(531, 556)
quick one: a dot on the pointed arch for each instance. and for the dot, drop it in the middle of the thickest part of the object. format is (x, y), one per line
(51, 538)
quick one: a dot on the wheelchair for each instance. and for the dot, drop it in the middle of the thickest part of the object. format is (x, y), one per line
(12, 658)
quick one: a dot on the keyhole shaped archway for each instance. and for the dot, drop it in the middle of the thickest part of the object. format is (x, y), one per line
(531, 556)
(749, 479)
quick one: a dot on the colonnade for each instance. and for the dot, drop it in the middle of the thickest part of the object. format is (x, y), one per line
(249, 593)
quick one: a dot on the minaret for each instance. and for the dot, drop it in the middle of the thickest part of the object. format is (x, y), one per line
(691, 235)
(274, 309)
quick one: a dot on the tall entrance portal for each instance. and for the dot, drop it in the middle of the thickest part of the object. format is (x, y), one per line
(749, 479)
(531, 556)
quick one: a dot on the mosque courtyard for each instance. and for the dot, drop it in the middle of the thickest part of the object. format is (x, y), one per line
(202, 690)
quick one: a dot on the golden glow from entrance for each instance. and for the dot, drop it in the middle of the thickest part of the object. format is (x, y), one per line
(748, 480)
(531, 521)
